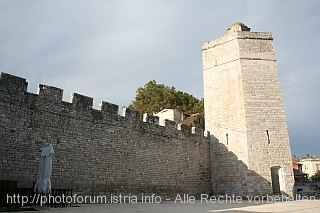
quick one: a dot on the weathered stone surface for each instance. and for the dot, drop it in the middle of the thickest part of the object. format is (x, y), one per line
(96, 151)
(244, 111)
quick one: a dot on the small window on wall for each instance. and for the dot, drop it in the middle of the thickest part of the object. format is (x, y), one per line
(318, 167)
(268, 137)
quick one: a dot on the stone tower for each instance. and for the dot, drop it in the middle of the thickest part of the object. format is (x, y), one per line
(245, 115)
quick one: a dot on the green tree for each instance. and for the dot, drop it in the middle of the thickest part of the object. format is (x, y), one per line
(316, 176)
(155, 97)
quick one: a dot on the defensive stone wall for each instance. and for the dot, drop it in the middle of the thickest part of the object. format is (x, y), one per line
(97, 151)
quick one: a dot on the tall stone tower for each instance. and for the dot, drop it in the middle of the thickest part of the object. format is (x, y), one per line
(245, 115)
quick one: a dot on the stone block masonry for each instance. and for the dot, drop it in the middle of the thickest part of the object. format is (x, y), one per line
(97, 151)
(244, 112)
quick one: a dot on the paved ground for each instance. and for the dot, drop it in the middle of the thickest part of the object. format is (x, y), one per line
(244, 207)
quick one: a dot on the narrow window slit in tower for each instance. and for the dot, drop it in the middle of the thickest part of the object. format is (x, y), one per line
(268, 136)
(227, 136)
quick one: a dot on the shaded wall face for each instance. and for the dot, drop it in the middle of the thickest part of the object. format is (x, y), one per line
(231, 176)
(96, 151)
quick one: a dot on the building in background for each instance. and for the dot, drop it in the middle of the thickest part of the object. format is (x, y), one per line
(193, 120)
(299, 176)
(310, 165)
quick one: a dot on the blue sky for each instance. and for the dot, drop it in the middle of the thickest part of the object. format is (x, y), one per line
(107, 49)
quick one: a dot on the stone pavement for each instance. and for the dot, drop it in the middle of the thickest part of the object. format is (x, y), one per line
(244, 207)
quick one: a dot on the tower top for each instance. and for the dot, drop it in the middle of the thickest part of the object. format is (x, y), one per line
(239, 26)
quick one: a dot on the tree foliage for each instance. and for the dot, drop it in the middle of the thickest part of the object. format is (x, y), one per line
(316, 176)
(155, 97)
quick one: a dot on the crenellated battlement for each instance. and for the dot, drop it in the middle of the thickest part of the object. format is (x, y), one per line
(50, 93)
(50, 98)
(81, 102)
(12, 84)
(128, 113)
(109, 108)
(97, 151)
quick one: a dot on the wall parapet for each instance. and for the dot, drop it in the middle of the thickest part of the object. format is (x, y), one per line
(50, 98)
(97, 151)
(81, 101)
(12, 84)
(50, 93)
